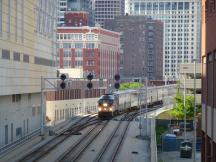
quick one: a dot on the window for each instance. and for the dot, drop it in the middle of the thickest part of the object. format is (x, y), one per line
(161, 6)
(174, 6)
(16, 56)
(6, 54)
(209, 57)
(33, 111)
(66, 45)
(180, 5)
(90, 45)
(187, 5)
(25, 58)
(19, 131)
(16, 98)
(78, 45)
(167, 5)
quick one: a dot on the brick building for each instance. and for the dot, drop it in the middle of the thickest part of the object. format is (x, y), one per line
(92, 49)
(76, 18)
(208, 81)
(141, 46)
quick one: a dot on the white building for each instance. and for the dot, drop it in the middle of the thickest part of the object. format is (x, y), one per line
(181, 28)
(27, 52)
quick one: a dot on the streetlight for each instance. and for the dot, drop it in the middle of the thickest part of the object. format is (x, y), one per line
(194, 143)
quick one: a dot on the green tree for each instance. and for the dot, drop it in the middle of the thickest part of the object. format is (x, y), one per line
(130, 85)
(178, 110)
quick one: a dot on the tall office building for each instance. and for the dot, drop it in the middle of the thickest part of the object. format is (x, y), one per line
(27, 53)
(62, 7)
(208, 51)
(75, 5)
(107, 9)
(141, 46)
(181, 28)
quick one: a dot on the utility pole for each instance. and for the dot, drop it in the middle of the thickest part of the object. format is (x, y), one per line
(146, 105)
(194, 143)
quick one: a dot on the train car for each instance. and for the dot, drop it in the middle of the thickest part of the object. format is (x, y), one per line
(107, 105)
(111, 104)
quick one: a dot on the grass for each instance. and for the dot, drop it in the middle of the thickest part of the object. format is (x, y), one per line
(165, 115)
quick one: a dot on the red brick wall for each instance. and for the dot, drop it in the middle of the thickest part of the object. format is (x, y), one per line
(76, 19)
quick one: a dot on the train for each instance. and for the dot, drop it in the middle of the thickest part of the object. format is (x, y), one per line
(115, 103)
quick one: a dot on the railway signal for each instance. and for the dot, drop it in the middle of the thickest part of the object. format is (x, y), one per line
(117, 84)
(63, 84)
(89, 84)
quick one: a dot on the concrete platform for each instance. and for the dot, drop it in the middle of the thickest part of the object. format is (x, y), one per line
(174, 156)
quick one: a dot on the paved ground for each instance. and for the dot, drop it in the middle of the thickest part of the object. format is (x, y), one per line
(174, 156)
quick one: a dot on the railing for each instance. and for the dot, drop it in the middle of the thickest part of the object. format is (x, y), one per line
(19, 142)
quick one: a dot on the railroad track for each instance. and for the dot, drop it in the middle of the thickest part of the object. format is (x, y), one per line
(76, 151)
(43, 150)
(113, 144)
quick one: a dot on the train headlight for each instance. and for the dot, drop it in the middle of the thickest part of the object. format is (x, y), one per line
(99, 108)
(105, 104)
(110, 109)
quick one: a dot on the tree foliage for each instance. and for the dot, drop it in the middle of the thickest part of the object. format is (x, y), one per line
(178, 110)
(130, 85)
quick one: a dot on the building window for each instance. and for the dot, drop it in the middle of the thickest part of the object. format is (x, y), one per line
(209, 56)
(25, 58)
(16, 56)
(34, 111)
(6, 54)
(90, 45)
(78, 45)
(16, 98)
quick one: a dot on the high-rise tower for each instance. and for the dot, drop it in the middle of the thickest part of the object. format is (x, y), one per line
(181, 20)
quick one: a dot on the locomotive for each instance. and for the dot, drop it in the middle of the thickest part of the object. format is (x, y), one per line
(110, 105)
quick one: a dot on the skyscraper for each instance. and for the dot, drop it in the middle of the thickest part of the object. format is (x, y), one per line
(27, 53)
(62, 7)
(181, 28)
(107, 9)
(141, 46)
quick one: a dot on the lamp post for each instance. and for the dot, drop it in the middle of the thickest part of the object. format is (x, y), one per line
(194, 142)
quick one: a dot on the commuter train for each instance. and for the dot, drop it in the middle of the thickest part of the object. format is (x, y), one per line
(110, 105)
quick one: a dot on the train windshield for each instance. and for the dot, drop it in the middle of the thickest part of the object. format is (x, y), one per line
(106, 98)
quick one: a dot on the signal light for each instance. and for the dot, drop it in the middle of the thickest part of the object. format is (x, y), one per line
(117, 77)
(117, 84)
(90, 76)
(63, 84)
(89, 84)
